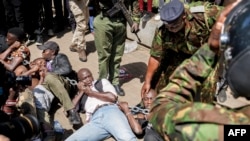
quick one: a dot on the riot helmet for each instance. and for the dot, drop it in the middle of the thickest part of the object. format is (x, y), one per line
(235, 45)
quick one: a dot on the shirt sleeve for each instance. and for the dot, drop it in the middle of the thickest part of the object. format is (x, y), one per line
(136, 14)
(157, 44)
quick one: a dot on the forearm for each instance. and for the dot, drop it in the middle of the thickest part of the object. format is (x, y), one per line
(106, 96)
(8, 66)
(77, 98)
(135, 126)
(5, 53)
(153, 64)
(41, 80)
(29, 72)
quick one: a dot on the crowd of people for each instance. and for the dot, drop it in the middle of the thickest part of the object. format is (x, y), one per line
(195, 82)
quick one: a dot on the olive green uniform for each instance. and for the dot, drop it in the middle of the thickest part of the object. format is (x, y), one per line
(110, 36)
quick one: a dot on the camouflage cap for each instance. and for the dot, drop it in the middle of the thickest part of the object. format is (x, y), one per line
(171, 11)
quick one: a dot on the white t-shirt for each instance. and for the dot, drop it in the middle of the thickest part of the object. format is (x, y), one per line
(92, 103)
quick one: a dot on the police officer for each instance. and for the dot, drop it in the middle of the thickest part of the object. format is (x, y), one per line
(79, 9)
(186, 27)
(176, 116)
(110, 36)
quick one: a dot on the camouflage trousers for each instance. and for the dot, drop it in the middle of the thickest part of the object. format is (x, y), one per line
(194, 121)
(80, 11)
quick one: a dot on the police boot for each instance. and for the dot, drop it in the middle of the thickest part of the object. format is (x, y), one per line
(74, 117)
(82, 55)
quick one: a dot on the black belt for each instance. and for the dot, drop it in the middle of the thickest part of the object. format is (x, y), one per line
(103, 105)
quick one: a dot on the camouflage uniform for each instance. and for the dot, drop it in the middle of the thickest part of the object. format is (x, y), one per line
(176, 116)
(173, 48)
(79, 9)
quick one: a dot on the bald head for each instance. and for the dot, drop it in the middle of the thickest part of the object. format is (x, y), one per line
(85, 76)
(83, 70)
(147, 98)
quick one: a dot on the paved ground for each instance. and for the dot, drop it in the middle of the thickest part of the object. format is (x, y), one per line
(135, 63)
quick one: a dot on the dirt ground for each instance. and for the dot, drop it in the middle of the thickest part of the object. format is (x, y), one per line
(134, 62)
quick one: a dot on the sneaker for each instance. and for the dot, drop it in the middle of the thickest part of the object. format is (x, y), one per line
(51, 32)
(119, 90)
(74, 117)
(39, 40)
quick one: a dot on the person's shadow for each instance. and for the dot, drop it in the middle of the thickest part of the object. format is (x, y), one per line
(133, 70)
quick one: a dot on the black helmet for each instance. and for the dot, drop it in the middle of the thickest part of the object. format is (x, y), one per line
(235, 42)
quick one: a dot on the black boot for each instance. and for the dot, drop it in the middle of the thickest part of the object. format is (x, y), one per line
(119, 90)
(74, 117)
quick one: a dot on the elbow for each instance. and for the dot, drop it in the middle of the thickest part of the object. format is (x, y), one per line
(113, 98)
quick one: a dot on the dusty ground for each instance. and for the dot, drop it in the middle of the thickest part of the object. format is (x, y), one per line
(134, 62)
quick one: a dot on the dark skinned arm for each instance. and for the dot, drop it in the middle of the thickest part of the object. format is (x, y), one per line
(134, 124)
(153, 64)
(14, 63)
(15, 45)
(104, 96)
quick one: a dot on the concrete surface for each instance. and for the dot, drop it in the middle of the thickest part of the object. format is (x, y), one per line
(135, 63)
(146, 28)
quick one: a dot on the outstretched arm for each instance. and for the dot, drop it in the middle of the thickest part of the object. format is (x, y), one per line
(135, 126)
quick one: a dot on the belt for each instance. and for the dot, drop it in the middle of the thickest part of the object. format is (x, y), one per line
(103, 105)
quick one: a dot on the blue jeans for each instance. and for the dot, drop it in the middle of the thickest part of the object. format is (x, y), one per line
(107, 121)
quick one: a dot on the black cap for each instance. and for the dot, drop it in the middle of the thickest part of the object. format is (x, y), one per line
(171, 11)
(49, 45)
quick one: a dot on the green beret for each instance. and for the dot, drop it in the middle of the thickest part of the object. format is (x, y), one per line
(171, 11)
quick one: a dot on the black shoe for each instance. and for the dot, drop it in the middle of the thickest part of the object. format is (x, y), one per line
(39, 40)
(74, 117)
(119, 90)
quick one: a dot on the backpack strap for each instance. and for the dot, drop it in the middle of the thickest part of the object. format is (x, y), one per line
(98, 85)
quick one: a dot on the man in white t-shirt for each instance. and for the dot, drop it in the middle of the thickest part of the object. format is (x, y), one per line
(104, 118)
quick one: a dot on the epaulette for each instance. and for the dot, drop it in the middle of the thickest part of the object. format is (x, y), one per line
(197, 9)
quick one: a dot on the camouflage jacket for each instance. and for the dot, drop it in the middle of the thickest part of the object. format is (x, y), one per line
(173, 48)
(175, 115)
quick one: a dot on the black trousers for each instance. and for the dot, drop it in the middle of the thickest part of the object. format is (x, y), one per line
(14, 13)
(3, 28)
(31, 16)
